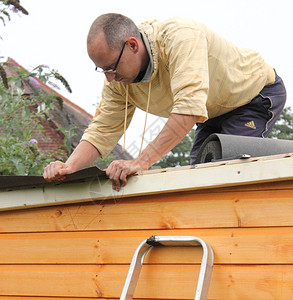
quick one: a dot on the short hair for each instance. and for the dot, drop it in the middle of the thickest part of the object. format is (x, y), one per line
(116, 27)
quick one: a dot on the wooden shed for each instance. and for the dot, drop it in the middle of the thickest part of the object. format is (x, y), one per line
(75, 240)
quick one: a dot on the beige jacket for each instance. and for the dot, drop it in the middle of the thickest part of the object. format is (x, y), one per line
(196, 72)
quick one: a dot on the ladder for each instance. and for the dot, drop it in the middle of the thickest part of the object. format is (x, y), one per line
(139, 254)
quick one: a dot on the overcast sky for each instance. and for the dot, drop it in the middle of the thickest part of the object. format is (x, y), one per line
(54, 33)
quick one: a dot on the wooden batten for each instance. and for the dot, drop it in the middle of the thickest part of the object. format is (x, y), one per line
(76, 241)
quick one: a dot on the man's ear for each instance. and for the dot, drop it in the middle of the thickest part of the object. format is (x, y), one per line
(133, 44)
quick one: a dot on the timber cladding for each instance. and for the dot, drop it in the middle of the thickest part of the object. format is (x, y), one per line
(83, 250)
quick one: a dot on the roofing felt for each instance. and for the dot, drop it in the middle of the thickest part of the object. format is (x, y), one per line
(12, 182)
(226, 147)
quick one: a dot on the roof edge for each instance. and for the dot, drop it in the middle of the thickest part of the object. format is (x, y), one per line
(206, 176)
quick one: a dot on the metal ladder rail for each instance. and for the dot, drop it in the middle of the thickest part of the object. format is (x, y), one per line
(139, 254)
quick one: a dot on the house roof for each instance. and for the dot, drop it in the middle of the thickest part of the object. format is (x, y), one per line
(61, 116)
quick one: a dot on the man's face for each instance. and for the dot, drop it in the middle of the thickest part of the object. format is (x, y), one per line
(128, 66)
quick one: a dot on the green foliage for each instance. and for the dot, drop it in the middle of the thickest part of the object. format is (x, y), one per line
(40, 72)
(179, 155)
(69, 133)
(21, 125)
(3, 77)
(103, 163)
(283, 128)
(21, 116)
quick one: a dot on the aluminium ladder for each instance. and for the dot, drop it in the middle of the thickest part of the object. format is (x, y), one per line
(139, 254)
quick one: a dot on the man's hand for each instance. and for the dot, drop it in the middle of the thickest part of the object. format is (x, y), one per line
(173, 132)
(118, 171)
(56, 171)
(84, 154)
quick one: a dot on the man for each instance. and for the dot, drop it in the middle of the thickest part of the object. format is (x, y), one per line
(177, 69)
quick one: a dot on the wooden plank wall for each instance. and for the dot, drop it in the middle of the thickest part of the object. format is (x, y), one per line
(83, 251)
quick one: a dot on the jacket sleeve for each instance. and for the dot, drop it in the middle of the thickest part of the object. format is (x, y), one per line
(186, 53)
(107, 125)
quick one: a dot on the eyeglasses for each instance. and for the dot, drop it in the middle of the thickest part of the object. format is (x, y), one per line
(112, 71)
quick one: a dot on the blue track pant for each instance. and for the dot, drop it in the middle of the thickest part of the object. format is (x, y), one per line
(256, 118)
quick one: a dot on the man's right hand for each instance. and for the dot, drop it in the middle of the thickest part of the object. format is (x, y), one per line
(83, 155)
(56, 171)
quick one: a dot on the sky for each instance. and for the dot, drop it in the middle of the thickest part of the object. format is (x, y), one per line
(55, 31)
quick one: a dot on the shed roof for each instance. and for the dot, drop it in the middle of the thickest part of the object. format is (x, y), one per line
(92, 184)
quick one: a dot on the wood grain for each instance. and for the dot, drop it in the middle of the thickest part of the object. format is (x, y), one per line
(231, 246)
(163, 282)
(246, 208)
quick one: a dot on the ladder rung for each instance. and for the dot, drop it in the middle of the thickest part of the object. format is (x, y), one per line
(173, 241)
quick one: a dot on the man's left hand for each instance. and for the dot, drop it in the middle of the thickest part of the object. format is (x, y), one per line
(173, 132)
(118, 171)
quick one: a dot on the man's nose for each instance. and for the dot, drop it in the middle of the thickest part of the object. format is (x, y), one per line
(110, 76)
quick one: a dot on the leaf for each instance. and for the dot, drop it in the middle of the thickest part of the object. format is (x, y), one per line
(6, 14)
(62, 80)
(60, 102)
(2, 20)
(3, 76)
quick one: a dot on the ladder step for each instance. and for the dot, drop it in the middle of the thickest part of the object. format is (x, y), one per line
(173, 241)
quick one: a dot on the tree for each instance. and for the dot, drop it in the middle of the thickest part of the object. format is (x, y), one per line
(283, 128)
(21, 116)
(21, 122)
